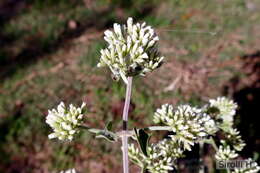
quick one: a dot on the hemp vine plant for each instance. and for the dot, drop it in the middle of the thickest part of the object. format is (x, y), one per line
(133, 50)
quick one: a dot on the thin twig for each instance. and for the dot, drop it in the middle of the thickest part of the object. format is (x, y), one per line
(159, 128)
(130, 133)
(212, 142)
(201, 153)
(125, 122)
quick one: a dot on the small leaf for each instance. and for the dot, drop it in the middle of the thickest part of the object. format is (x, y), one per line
(256, 156)
(143, 140)
(144, 170)
(108, 135)
(96, 131)
(109, 126)
(111, 137)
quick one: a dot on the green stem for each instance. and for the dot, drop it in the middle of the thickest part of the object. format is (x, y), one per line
(92, 130)
(129, 132)
(201, 144)
(158, 128)
(212, 142)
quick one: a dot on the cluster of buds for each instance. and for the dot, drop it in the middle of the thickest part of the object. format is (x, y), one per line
(234, 138)
(224, 153)
(69, 171)
(252, 167)
(65, 121)
(136, 155)
(226, 110)
(132, 50)
(188, 123)
(161, 157)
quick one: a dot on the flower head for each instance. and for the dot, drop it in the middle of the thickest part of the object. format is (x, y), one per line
(235, 139)
(69, 171)
(224, 153)
(188, 123)
(132, 50)
(227, 109)
(161, 156)
(65, 121)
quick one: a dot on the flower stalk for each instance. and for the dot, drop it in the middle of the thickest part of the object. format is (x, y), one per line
(125, 123)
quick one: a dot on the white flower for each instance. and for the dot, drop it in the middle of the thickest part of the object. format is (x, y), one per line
(224, 153)
(135, 155)
(161, 156)
(132, 50)
(69, 171)
(210, 125)
(234, 137)
(227, 109)
(65, 121)
(251, 167)
(188, 123)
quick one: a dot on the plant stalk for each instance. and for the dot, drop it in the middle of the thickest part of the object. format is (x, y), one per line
(213, 144)
(201, 153)
(125, 123)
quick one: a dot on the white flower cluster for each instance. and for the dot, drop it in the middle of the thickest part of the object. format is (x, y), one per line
(234, 138)
(227, 109)
(69, 171)
(224, 153)
(252, 168)
(161, 156)
(65, 121)
(188, 123)
(136, 155)
(131, 50)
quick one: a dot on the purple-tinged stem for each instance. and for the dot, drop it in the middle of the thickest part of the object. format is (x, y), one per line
(125, 122)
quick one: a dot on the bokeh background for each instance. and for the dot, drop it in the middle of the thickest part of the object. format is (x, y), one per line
(49, 50)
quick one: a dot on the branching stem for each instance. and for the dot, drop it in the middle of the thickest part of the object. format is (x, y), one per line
(128, 133)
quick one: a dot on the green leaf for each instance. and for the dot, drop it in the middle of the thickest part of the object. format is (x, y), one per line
(143, 140)
(255, 156)
(96, 131)
(109, 126)
(144, 170)
(110, 136)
